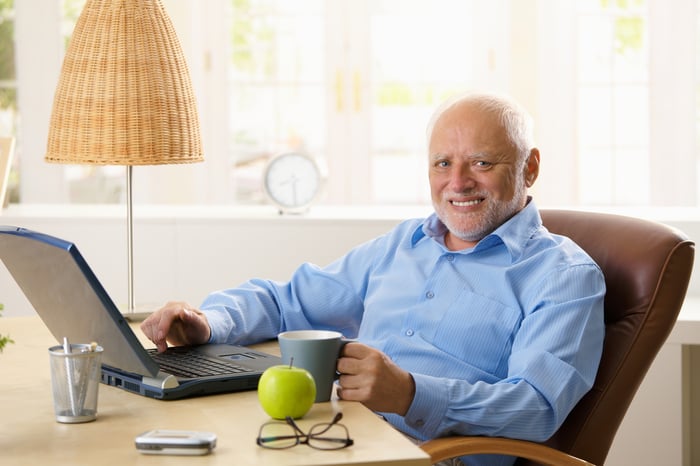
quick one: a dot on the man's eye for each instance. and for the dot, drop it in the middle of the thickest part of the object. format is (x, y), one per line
(483, 164)
(442, 163)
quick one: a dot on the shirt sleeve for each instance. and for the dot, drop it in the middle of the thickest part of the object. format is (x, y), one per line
(553, 363)
(329, 298)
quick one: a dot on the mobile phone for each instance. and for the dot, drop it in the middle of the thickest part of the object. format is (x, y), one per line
(175, 442)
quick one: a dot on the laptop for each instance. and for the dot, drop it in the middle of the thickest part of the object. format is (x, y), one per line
(72, 303)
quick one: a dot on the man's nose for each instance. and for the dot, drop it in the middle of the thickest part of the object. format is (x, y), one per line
(462, 178)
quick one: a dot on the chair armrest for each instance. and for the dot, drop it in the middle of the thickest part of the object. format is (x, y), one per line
(444, 448)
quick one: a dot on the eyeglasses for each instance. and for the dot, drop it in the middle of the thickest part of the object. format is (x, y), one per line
(287, 434)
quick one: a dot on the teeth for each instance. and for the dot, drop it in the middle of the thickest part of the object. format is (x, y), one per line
(466, 203)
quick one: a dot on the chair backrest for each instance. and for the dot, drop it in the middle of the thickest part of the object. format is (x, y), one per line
(647, 268)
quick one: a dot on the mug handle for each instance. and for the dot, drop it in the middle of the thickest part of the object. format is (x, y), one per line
(343, 341)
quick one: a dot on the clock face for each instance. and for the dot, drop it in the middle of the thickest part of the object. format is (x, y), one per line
(292, 181)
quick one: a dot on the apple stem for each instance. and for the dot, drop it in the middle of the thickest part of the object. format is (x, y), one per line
(291, 361)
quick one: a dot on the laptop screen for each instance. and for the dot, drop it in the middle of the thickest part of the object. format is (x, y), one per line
(69, 298)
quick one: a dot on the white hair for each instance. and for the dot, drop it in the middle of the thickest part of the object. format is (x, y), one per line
(516, 121)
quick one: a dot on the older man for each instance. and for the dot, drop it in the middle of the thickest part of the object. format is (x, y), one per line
(473, 321)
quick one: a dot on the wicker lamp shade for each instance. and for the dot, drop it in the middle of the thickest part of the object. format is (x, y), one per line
(124, 96)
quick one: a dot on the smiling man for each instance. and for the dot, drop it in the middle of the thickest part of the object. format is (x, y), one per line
(473, 321)
(481, 163)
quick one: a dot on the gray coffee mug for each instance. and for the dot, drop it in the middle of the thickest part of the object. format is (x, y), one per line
(316, 351)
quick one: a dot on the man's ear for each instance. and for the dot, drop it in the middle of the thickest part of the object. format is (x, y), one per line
(532, 167)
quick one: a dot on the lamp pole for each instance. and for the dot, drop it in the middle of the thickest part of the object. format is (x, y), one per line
(131, 308)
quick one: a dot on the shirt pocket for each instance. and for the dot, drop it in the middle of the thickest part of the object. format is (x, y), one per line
(478, 331)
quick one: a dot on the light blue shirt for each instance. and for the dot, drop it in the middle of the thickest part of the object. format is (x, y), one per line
(502, 339)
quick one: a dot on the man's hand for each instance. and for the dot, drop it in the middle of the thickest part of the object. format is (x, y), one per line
(369, 376)
(177, 323)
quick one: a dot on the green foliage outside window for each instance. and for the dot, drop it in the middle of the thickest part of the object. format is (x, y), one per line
(251, 33)
(71, 11)
(629, 27)
(8, 94)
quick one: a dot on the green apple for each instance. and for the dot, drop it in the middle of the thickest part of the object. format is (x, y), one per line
(286, 391)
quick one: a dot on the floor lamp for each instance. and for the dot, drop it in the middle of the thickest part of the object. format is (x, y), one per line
(124, 97)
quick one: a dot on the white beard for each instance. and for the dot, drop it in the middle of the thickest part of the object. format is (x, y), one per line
(496, 213)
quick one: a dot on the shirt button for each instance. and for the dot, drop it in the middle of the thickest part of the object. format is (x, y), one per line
(450, 258)
(430, 295)
(409, 333)
(420, 423)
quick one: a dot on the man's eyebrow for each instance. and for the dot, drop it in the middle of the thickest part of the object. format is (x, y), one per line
(491, 156)
(475, 156)
(446, 155)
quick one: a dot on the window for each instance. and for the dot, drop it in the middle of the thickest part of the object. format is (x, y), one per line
(8, 85)
(614, 113)
(276, 85)
(404, 89)
(613, 86)
(613, 105)
(340, 80)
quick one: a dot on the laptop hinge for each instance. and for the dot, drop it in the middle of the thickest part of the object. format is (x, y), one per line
(162, 380)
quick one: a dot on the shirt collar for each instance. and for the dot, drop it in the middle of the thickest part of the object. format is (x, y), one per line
(513, 234)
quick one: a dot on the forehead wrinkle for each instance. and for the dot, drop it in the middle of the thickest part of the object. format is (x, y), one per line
(467, 125)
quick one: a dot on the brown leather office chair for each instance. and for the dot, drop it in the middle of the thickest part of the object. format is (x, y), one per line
(647, 268)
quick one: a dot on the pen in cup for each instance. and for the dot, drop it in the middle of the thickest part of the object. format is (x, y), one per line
(69, 373)
(85, 375)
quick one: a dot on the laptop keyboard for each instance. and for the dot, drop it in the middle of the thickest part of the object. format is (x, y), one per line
(183, 362)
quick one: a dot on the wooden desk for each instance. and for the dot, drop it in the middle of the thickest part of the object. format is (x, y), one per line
(29, 433)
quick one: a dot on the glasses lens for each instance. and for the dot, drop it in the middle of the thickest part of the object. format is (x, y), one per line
(277, 435)
(329, 437)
